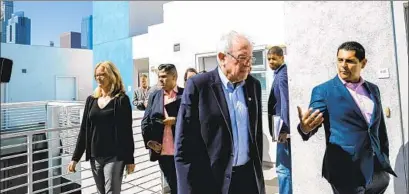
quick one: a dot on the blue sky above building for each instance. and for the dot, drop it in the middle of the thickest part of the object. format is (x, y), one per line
(49, 19)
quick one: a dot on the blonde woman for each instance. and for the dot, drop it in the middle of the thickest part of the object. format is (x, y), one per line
(106, 131)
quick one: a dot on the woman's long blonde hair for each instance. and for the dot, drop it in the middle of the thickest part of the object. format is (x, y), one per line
(117, 86)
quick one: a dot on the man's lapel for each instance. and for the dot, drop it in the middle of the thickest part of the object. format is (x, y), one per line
(221, 99)
(250, 98)
(375, 99)
(347, 96)
(159, 106)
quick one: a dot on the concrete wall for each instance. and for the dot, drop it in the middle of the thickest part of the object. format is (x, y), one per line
(188, 24)
(111, 38)
(401, 53)
(198, 32)
(43, 64)
(313, 32)
(143, 14)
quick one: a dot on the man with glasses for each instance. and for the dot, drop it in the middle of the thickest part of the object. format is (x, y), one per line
(219, 140)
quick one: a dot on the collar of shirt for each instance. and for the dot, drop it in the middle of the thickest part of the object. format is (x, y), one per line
(174, 91)
(144, 89)
(226, 82)
(352, 86)
(277, 70)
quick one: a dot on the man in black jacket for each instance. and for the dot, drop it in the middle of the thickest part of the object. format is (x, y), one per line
(158, 123)
(219, 140)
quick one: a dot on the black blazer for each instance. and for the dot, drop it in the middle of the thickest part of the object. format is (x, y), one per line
(278, 101)
(123, 129)
(152, 122)
(203, 140)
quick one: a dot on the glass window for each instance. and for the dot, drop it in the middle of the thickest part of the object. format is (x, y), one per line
(261, 76)
(11, 32)
(258, 64)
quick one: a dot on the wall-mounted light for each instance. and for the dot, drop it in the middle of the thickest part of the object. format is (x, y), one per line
(176, 47)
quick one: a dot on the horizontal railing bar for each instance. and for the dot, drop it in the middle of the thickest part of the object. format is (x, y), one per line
(14, 128)
(13, 156)
(60, 165)
(11, 167)
(22, 124)
(21, 128)
(39, 131)
(53, 139)
(12, 188)
(13, 177)
(59, 147)
(78, 189)
(17, 134)
(53, 177)
(14, 115)
(14, 145)
(60, 185)
(21, 109)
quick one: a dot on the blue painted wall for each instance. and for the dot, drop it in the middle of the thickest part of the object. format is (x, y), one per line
(111, 40)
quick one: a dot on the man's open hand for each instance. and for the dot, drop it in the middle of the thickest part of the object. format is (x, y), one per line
(309, 120)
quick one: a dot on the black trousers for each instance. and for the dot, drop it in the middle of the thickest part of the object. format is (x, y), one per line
(380, 182)
(243, 180)
(167, 165)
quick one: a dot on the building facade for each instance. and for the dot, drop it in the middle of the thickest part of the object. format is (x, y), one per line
(86, 32)
(70, 40)
(187, 36)
(47, 73)
(7, 9)
(19, 29)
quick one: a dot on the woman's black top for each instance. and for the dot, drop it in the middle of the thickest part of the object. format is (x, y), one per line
(106, 132)
(103, 136)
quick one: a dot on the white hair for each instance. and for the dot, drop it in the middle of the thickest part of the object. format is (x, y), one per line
(226, 41)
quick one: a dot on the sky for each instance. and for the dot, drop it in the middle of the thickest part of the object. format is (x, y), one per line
(49, 19)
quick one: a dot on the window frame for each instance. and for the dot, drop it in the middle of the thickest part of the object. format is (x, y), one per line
(406, 18)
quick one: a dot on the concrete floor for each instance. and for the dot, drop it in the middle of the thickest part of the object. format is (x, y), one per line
(270, 180)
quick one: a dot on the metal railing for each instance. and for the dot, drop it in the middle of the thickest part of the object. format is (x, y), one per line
(34, 160)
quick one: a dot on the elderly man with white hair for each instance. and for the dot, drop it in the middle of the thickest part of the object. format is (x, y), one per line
(218, 140)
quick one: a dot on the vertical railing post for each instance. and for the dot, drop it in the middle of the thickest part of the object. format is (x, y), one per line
(53, 122)
(30, 163)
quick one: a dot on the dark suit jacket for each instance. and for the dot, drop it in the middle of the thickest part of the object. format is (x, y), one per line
(152, 122)
(203, 141)
(278, 102)
(349, 138)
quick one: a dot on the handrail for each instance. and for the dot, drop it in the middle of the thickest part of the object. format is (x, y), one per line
(58, 132)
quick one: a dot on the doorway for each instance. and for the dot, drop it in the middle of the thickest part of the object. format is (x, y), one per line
(206, 62)
(66, 88)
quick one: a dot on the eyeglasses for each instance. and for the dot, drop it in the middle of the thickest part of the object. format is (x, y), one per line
(244, 59)
(102, 76)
